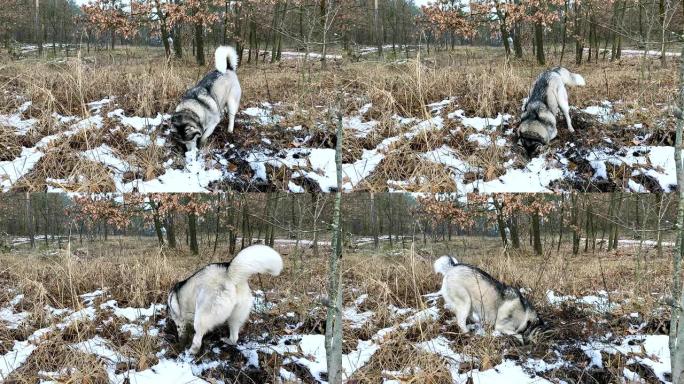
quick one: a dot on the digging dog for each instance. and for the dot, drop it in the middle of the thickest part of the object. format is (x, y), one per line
(202, 107)
(471, 293)
(220, 293)
(547, 98)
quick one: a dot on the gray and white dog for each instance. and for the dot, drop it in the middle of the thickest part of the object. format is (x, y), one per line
(470, 292)
(548, 96)
(202, 107)
(219, 293)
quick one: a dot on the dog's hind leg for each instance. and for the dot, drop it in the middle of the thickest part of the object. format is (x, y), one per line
(209, 314)
(237, 319)
(462, 314)
(233, 106)
(231, 121)
(564, 106)
(460, 304)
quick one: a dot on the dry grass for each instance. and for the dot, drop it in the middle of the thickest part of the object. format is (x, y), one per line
(482, 84)
(136, 274)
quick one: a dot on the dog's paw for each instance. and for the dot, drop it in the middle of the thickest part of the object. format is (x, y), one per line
(571, 130)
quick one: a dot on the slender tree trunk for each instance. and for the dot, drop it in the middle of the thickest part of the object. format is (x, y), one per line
(374, 218)
(199, 40)
(377, 28)
(517, 44)
(218, 221)
(29, 222)
(157, 222)
(659, 232)
(663, 32)
(170, 231)
(39, 34)
(333, 325)
(575, 224)
(560, 224)
(515, 234)
(579, 45)
(316, 200)
(536, 233)
(177, 42)
(676, 322)
(539, 38)
(564, 38)
(499, 221)
(616, 234)
(192, 233)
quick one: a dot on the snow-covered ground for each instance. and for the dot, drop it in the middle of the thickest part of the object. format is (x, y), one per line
(646, 357)
(299, 354)
(291, 158)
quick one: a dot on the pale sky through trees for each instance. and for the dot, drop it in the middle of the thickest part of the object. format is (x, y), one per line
(418, 2)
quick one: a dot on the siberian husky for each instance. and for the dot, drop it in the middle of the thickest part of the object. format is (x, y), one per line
(202, 107)
(220, 292)
(470, 292)
(547, 97)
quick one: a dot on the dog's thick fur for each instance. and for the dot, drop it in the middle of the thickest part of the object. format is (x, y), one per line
(220, 293)
(470, 292)
(202, 107)
(548, 96)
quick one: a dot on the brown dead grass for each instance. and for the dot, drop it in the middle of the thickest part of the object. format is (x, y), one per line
(137, 273)
(479, 79)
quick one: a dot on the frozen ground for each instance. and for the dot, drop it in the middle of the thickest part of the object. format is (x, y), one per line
(603, 353)
(270, 150)
(272, 336)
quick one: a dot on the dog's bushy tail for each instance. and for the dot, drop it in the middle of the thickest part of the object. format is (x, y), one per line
(255, 259)
(225, 59)
(572, 79)
(444, 264)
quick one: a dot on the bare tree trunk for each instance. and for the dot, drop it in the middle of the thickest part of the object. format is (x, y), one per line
(676, 324)
(377, 30)
(659, 232)
(157, 222)
(39, 34)
(574, 223)
(663, 31)
(536, 233)
(515, 234)
(333, 325)
(539, 38)
(579, 46)
(29, 222)
(170, 231)
(374, 219)
(499, 221)
(316, 200)
(560, 224)
(192, 232)
(199, 40)
(218, 221)
(564, 38)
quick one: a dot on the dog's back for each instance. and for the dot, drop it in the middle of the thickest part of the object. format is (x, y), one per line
(183, 296)
(466, 282)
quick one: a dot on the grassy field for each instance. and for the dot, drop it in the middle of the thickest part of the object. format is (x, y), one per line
(395, 133)
(385, 291)
(400, 285)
